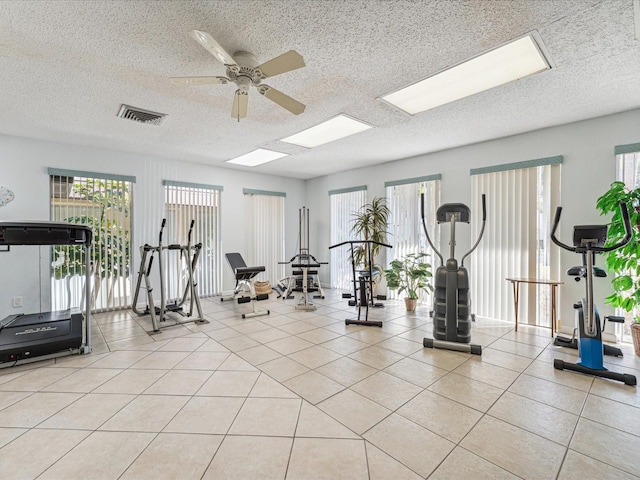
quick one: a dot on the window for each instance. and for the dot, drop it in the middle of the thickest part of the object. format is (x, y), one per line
(104, 203)
(344, 203)
(184, 202)
(405, 222)
(520, 199)
(264, 232)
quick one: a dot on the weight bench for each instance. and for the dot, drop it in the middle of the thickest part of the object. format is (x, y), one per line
(243, 276)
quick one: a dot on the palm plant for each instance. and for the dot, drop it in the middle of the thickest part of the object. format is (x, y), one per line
(370, 223)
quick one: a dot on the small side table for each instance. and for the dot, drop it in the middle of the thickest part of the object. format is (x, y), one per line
(515, 282)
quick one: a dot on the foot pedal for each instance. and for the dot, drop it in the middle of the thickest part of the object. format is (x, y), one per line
(173, 308)
(244, 299)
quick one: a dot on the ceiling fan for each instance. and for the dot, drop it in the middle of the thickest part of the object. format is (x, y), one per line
(243, 70)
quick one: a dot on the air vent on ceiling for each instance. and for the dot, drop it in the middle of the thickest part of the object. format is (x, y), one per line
(141, 115)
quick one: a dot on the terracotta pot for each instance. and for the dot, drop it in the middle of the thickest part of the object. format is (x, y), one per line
(411, 304)
(635, 335)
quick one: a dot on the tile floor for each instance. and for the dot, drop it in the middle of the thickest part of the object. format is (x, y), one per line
(299, 395)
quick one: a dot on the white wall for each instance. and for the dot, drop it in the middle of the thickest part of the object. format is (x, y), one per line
(24, 164)
(587, 171)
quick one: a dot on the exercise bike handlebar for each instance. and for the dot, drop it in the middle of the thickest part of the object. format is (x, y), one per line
(624, 211)
(351, 242)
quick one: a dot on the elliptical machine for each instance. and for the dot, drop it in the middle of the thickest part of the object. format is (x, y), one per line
(588, 240)
(451, 301)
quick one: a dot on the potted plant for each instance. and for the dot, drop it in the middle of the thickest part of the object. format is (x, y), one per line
(624, 263)
(410, 274)
(370, 223)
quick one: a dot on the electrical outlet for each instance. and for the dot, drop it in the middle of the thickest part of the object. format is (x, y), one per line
(17, 302)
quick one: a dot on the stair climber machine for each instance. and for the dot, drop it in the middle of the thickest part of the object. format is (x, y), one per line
(188, 255)
(589, 240)
(451, 300)
(362, 283)
(304, 270)
(30, 337)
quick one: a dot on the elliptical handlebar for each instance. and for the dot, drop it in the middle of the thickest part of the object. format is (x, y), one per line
(424, 227)
(484, 222)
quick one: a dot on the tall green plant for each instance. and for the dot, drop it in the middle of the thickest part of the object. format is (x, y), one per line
(624, 262)
(370, 223)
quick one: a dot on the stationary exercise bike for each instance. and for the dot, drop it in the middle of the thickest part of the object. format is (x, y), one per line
(588, 240)
(451, 300)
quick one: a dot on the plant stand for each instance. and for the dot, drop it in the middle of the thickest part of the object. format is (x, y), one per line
(635, 335)
(411, 304)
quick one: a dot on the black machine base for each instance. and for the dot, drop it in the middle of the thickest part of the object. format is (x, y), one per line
(32, 335)
(455, 346)
(574, 367)
(364, 323)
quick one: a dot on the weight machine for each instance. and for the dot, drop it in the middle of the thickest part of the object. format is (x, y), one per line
(189, 255)
(304, 275)
(362, 283)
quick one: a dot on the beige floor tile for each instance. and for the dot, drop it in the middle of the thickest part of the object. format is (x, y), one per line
(124, 333)
(259, 354)
(212, 346)
(79, 361)
(267, 416)
(248, 327)
(614, 414)
(295, 328)
(131, 381)
(556, 395)
(536, 417)
(400, 345)
(467, 391)
(179, 382)
(289, 345)
(35, 408)
(88, 412)
(147, 413)
(346, 371)
(528, 338)
(9, 434)
(283, 368)
(443, 416)
(545, 371)
(409, 443)
(7, 374)
(418, 373)
(235, 363)
(440, 358)
(210, 415)
(319, 335)
(344, 345)
(159, 459)
(228, 384)
(269, 458)
(514, 449)
(330, 459)
(608, 445)
(616, 391)
(463, 464)
(580, 467)
(225, 333)
(376, 357)
(201, 360)
(83, 381)
(133, 343)
(315, 356)
(487, 373)
(313, 386)
(354, 411)
(417, 335)
(268, 335)
(36, 379)
(517, 348)
(313, 422)
(383, 467)
(120, 359)
(370, 335)
(267, 387)
(237, 344)
(161, 360)
(36, 450)
(105, 454)
(505, 359)
(9, 398)
(387, 390)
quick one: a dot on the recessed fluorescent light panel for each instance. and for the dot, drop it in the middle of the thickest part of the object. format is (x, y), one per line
(257, 157)
(517, 59)
(325, 132)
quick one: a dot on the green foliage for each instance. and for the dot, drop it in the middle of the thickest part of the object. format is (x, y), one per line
(110, 250)
(624, 263)
(410, 274)
(370, 223)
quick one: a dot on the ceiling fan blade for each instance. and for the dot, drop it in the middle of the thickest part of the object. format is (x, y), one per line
(208, 42)
(240, 102)
(286, 62)
(198, 80)
(285, 101)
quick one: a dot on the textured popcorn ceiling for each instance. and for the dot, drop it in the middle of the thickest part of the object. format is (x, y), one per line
(66, 66)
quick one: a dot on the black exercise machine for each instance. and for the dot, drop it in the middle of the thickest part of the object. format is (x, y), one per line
(29, 337)
(189, 255)
(589, 240)
(243, 276)
(451, 300)
(362, 283)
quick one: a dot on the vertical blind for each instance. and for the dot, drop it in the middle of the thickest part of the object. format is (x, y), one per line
(184, 202)
(264, 232)
(405, 221)
(516, 242)
(344, 203)
(104, 203)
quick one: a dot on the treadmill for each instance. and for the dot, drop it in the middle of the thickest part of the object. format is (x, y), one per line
(30, 337)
